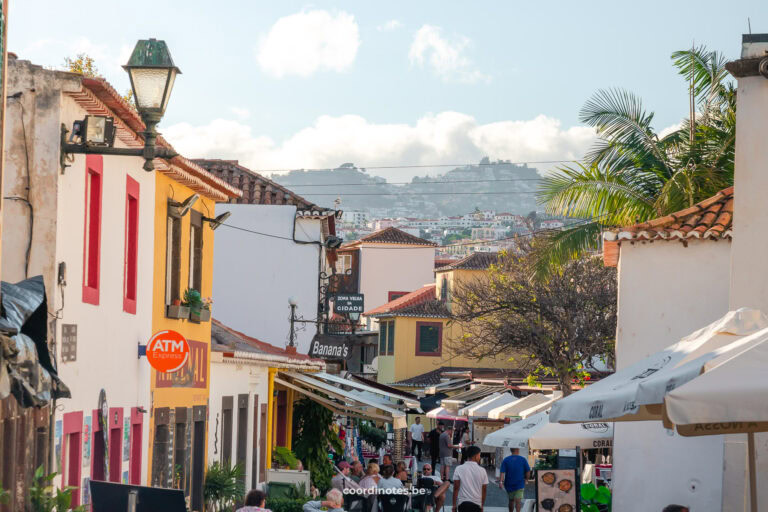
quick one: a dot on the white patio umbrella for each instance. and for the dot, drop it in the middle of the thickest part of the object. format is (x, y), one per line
(728, 398)
(636, 393)
(537, 433)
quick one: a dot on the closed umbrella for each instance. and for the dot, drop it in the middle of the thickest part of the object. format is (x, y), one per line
(636, 393)
(728, 398)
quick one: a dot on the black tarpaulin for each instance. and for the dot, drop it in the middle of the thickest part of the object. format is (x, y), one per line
(27, 370)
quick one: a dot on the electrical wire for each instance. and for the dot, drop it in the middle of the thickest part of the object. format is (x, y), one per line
(407, 183)
(420, 166)
(25, 200)
(481, 242)
(399, 194)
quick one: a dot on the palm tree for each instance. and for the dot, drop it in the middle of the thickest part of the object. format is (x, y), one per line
(632, 173)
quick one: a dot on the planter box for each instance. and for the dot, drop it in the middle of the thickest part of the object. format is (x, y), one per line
(181, 312)
(199, 315)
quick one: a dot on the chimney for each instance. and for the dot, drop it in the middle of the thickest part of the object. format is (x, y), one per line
(749, 273)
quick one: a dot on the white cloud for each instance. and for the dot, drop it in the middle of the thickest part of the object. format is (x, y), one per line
(445, 56)
(669, 129)
(309, 41)
(390, 25)
(444, 138)
(240, 113)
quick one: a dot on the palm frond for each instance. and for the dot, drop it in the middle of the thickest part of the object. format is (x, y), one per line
(554, 250)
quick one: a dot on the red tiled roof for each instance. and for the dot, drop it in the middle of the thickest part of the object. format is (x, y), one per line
(221, 331)
(432, 308)
(475, 261)
(442, 263)
(393, 235)
(129, 117)
(422, 295)
(710, 219)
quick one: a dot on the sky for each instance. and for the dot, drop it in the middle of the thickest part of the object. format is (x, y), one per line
(285, 84)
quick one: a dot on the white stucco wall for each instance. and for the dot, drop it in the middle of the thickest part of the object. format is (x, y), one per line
(254, 276)
(394, 268)
(107, 337)
(749, 277)
(232, 379)
(666, 291)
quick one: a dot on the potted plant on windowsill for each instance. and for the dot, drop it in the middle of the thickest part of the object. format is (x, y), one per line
(177, 310)
(199, 309)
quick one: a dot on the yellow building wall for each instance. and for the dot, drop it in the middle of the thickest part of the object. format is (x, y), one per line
(406, 364)
(167, 189)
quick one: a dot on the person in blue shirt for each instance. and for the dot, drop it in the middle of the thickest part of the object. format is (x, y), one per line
(514, 472)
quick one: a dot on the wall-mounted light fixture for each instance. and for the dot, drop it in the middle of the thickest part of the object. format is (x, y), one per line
(186, 205)
(218, 221)
(152, 74)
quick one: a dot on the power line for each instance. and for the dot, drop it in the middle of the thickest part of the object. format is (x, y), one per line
(419, 166)
(400, 194)
(481, 242)
(407, 183)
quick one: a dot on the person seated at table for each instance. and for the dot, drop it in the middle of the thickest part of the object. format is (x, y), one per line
(400, 472)
(342, 480)
(334, 501)
(371, 478)
(440, 486)
(357, 472)
(254, 502)
(388, 480)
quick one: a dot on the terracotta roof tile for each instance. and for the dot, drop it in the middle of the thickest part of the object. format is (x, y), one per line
(421, 295)
(393, 235)
(475, 261)
(711, 219)
(432, 308)
(225, 338)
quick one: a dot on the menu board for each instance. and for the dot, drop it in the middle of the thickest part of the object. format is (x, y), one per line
(557, 490)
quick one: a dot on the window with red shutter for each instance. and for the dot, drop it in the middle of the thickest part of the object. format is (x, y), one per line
(131, 245)
(92, 241)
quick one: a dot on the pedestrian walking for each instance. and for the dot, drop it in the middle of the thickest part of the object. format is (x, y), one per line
(470, 484)
(446, 452)
(434, 444)
(514, 472)
(417, 438)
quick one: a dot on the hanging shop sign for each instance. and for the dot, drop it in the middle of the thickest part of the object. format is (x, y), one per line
(167, 351)
(348, 303)
(326, 346)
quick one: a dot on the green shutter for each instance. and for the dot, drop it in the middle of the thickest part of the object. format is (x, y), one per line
(382, 338)
(429, 338)
(391, 339)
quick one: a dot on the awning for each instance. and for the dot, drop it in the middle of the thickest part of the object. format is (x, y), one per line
(442, 414)
(537, 433)
(349, 403)
(513, 409)
(459, 400)
(481, 410)
(378, 390)
(464, 411)
(637, 392)
(449, 385)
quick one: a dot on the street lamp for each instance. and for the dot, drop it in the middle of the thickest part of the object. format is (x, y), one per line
(152, 74)
(292, 335)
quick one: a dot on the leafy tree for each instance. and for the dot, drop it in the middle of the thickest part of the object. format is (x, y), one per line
(313, 439)
(633, 173)
(82, 64)
(555, 327)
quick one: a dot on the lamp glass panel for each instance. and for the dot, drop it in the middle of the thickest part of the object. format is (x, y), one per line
(149, 87)
(96, 129)
(171, 80)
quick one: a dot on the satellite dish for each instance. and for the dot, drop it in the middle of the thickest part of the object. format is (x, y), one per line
(185, 206)
(219, 220)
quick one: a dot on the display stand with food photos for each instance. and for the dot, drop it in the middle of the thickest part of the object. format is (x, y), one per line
(557, 490)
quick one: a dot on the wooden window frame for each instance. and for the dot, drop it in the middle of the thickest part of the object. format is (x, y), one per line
(172, 255)
(115, 443)
(195, 251)
(439, 326)
(391, 339)
(131, 263)
(383, 328)
(94, 168)
(227, 405)
(395, 295)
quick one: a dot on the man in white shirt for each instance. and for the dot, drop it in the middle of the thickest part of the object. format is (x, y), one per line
(470, 483)
(417, 438)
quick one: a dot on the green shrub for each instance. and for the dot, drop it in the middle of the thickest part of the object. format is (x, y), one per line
(285, 457)
(43, 499)
(372, 435)
(286, 504)
(595, 499)
(223, 486)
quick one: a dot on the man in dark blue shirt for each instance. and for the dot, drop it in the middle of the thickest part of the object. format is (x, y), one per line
(514, 471)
